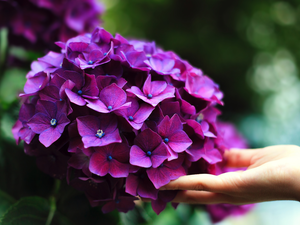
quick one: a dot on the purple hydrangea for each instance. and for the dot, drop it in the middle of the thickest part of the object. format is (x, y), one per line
(121, 118)
(39, 23)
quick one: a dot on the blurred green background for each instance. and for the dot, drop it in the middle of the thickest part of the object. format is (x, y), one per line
(250, 48)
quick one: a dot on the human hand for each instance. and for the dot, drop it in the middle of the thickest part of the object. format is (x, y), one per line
(273, 173)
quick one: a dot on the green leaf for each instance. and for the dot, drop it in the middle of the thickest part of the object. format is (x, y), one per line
(29, 210)
(134, 217)
(32, 211)
(5, 202)
(12, 83)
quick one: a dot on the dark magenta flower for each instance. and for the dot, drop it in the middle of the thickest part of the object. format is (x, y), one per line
(122, 203)
(153, 92)
(110, 159)
(148, 150)
(136, 114)
(49, 122)
(139, 184)
(81, 160)
(25, 132)
(171, 131)
(203, 87)
(111, 98)
(98, 131)
(165, 172)
(159, 204)
(39, 23)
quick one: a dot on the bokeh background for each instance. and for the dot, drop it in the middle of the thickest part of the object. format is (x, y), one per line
(250, 48)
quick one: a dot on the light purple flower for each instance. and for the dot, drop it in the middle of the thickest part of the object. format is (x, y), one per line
(49, 122)
(167, 171)
(148, 150)
(110, 159)
(171, 131)
(111, 98)
(136, 114)
(153, 92)
(98, 131)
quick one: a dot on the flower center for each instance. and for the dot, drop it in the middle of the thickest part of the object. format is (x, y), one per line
(149, 153)
(53, 122)
(117, 201)
(166, 140)
(109, 107)
(109, 158)
(149, 96)
(105, 54)
(100, 133)
(79, 92)
(90, 62)
(130, 118)
(199, 118)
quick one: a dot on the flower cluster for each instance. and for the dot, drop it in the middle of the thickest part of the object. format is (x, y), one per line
(39, 23)
(119, 119)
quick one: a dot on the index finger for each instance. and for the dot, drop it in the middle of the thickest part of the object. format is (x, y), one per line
(224, 183)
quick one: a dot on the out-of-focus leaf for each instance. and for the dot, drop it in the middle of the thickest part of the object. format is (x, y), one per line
(134, 217)
(5, 202)
(11, 84)
(32, 211)
(29, 210)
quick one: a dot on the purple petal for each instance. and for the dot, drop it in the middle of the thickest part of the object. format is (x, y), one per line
(75, 98)
(139, 158)
(39, 123)
(36, 83)
(118, 169)
(179, 141)
(88, 125)
(49, 136)
(113, 96)
(158, 176)
(159, 155)
(99, 164)
(98, 106)
(131, 185)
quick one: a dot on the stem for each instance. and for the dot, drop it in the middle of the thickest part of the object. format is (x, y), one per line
(3, 50)
(52, 201)
(52, 210)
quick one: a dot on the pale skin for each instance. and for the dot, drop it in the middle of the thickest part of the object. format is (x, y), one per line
(272, 173)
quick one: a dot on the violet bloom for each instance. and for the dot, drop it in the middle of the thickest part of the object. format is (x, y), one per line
(122, 203)
(49, 122)
(110, 159)
(218, 212)
(111, 98)
(229, 137)
(162, 64)
(159, 204)
(148, 150)
(96, 188)
(26, 113)
(153, 92)
(98, 131)
(167, 171)
(83, 87)
(136, 114)
(35, 83)
(81, 160)
(171, 131)
(203, 87)
(139, 184)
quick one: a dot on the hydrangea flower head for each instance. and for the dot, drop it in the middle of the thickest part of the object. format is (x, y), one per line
(39, 23)
(123, 117)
